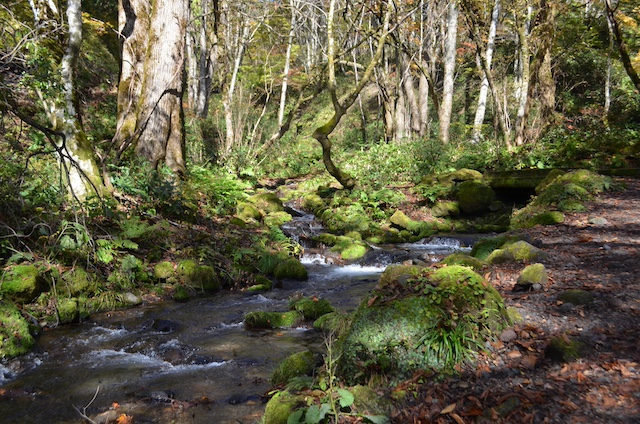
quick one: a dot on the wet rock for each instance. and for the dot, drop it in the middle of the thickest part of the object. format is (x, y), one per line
(165, 325)
(311, 308)
(273, 319)
(131, 299)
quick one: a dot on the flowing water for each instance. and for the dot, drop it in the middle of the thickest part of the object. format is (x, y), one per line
(188, 362)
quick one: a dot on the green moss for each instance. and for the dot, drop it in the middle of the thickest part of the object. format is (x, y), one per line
(266, 202)
(181, 294)
(15, 337)
(205, 278)
(326, 238)
(276, 219)
(185, 269)
(444, 208)
(273, 319)
(68, 310)
(248, 211)
(400, 220)
(551, 177)
(280, 406)
(163, 270)
(464, 260)
(534, 274)
(21, 283)
(290, 268)
(262, 284)
(333, 322)
(562, 348)
(396, 274)
(474, 197)
(520, 251)
(311, 308)
(576, 297)
(296, 365)
(545, 218)
(368, 402)
(314, 203)
(77, 282)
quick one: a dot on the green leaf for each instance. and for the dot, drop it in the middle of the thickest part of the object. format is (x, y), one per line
(346, 398)
(316, 413)
(377, 419)
(295, 416)
(67, 243)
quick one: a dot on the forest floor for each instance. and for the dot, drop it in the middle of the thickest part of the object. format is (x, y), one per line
(518, 380)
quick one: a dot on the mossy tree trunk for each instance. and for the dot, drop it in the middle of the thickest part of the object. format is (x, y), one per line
(150, 110)
(340, 105)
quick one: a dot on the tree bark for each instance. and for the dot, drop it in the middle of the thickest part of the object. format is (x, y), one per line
(449, 72)
(622, 49)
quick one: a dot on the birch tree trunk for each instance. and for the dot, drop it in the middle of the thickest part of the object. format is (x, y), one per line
(449, 72)
(484, 85)
(523, 21)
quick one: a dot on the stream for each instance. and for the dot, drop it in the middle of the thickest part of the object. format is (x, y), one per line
(188, 362)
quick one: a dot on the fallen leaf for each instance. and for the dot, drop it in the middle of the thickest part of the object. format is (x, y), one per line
(448, 409)
(457, 418)
(370, 302)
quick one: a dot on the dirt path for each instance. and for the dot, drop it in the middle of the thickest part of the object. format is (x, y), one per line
(518, 381)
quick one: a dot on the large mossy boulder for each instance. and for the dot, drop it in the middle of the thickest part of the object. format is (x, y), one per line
(465, 260)
(520, 251)
(15, 337)
(474, 197)
(350, 246)
(280, 406)
(533, 274)
(248, 212)
(400, 329)
(297, 365)
(266, 202)
(445, 208)
(22, 283)
(290, 268)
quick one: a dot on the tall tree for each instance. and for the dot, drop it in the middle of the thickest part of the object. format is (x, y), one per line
(446, 105)
(611, 8)
(151, 92)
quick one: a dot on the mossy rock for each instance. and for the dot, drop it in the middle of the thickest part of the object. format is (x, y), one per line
(350, 246)
(181, 294)
(398, 274)
(77, 282)
(276, 219)
(400, 220)
(444, 208)
(553, 174)
(280, 406)
(68, 310)
(483, 247)
(297, 365)
(15, 335)
(186, 268)
(474, 197)
(388, 336)
(326, 239)
(248, 212)
(311, 308)
(576, 297)
(465, 260)
(22, 283)
(291, 268)
(342, 219)
(163, 270)
(205, 278)
(266, 202)
(571, 188)
(333, 322)
(314, 203)
(520, 251)
(564, 349)
(534, 274)
(273, 319)
(262, 284)
(545, 218)
(368, 402)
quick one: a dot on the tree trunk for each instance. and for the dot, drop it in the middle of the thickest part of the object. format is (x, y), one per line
(449, 72)
(622, 49)
(150, 114)
(75, 153)
(524, 61)
(484, 86)
(287, 64)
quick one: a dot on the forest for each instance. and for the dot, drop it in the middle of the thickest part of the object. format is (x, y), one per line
(174, 152)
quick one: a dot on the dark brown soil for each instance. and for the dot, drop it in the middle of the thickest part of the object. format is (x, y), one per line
(519, 380)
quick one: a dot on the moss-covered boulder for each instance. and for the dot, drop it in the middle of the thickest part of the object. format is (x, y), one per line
(398, 335)
(77, 282)
(163, 270)
(15, 337)
(576, 297)
(398, 274)
(367, 401)
(266, 202)
(262, 284)
(248, 212)
(465, 260)
(22, 283)
(181, 293)
(185, 269)
(350, 247)
(68, 310)
(296, 365)
(444, 208)
(474, 197)
(333, 322)
(276, 219)
(401, 220)
(311, 308)
(520, 251)
(314, 203)
(533, 274)
(280, 406)
(290, 268)
(483, 247)
(287, 319)
(564, 349)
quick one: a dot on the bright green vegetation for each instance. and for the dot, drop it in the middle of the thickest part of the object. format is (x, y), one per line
(296, 365)
(445, 315)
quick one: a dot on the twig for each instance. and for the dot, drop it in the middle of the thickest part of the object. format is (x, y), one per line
(83, 414)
